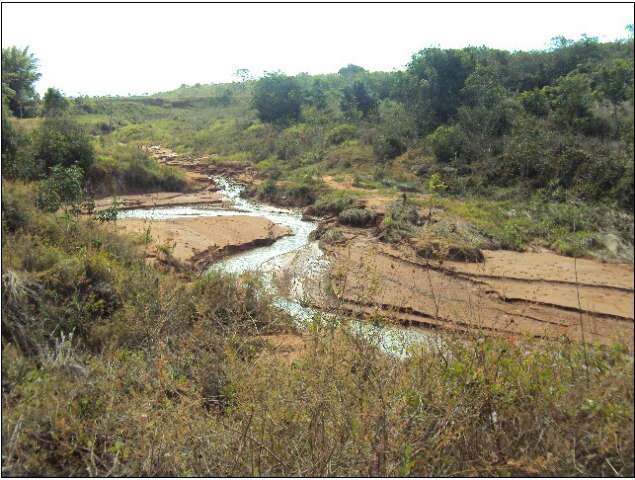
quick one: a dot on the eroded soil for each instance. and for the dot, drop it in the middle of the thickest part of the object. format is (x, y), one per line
(198, 242)
(511, 293)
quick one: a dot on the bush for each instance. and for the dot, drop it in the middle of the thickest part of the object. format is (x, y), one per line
(341, 133)
(400, 221)
(293, 195)
(128, 169)
(62, 141)
(447, 143)
(357, 217)
(15, 206)
(329, 206)
(62, 188)
(277, 98)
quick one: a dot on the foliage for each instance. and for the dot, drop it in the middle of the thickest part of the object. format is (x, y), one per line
(357, 100)
(63, 141)
(54, 103)
(62, 187)
(277, 98)
(127, 168)
(356, 217)
(19, 74)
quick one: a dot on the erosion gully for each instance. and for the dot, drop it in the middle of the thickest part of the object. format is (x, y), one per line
(296, 258)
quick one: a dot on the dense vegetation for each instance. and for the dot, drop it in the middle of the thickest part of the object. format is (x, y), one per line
(527, 142)
(112, 367)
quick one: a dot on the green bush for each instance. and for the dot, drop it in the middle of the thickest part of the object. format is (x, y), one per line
(63, 187)
(128, 169)
(447, 143)
(329, 206)
(357, 217)
(63, 141)
(340, 133)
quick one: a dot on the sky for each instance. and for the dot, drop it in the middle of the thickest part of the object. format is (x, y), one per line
(121, 49)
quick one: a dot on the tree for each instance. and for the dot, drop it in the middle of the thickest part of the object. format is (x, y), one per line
(447, 142)
(244, 74)
(62, 141)
(9, 145)
(485, 115)
(395, 130)
(351, 70)
(317, 94)
(570, 97)
(535, 102)
(436, 78)
(54, 103)
(357, 98)
(277, 98)
(19, 74)
(614, 80)
(63, 187)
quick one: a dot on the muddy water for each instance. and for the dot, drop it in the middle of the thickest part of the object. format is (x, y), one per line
(299, 260)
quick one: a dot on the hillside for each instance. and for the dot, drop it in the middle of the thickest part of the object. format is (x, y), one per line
(426, 272)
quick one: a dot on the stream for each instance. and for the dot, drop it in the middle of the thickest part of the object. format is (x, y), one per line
(296, 257)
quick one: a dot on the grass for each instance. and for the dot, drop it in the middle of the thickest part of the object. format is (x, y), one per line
(111, 367)
(320, 145)
(122, 169)
(573, 229)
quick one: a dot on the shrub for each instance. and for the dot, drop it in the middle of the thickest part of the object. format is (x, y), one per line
(447, 143)
(400, 221)
(62, 141)
(129, 169)
(62, 188)
(329, 206)
(357, 217)
(341, 133)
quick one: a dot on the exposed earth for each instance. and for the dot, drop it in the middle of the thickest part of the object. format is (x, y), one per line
(200, 241)
(509, 293)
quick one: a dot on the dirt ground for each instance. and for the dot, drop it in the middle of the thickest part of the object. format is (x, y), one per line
(197, 242)
(160, 199)
(509, 294)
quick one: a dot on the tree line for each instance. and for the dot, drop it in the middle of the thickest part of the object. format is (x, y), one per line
(560, 119)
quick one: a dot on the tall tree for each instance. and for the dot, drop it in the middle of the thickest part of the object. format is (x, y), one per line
(357, 98)
(437, 78)
(614, 82)
(277, 98)
(19, 74)
(54, 103)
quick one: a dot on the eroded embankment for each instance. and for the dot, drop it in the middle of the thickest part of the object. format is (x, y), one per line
(510, 293)
(198, 242)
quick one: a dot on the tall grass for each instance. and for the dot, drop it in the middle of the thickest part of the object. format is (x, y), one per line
(112, 368)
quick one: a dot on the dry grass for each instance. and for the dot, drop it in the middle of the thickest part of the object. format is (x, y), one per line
(137, 373)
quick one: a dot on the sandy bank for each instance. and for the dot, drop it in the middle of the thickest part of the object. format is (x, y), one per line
(160, 199)
(200, 241)
(510, 294)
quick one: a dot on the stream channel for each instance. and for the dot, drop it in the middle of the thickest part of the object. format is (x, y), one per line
(299, 259)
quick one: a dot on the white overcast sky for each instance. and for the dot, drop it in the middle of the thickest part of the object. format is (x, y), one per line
(135, 48)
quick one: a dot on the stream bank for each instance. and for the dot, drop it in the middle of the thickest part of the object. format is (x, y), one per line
(510, 294)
